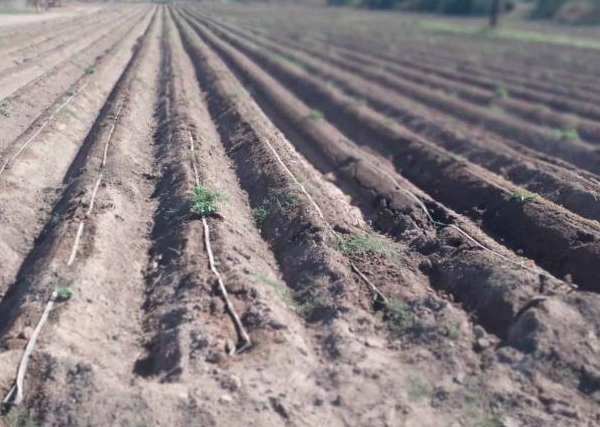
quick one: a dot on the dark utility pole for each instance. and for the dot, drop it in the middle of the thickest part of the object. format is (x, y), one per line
(495, 13)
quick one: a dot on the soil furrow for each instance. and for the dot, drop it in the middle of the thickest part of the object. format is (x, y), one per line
(36, 178)
(526, 169)
(456, 185)
(25, 115)
(38, 51)
(443, 275)
(13, 80)
(245, 151)
(106, 282)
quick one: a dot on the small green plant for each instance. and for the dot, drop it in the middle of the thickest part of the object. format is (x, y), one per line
(282, 201)
(16, 418)
(64, 294)
(279, 289)
(204, 201)
(90, 70)
(500, 93)
(359, 101)
(454, 331)
(597, 149)
(5, 109)
(391, 121)
(570, 134)
(523, 197)
(417, 388)
(494, 420)
(261, 214)
(68, 111)
(239, 92)
(458, 158)
(72, 92)
(399, 316)
(363, 246)
(316, 115)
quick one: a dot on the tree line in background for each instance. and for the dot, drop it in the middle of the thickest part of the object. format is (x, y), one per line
(451, 7)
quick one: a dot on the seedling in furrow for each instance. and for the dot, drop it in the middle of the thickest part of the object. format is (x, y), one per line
(64, 294)
(458, 158)
(316, 115)
(570, 134)
(279, 289)
(275, 202)
(204, 201)
(500, 93)
(17, 418)
(90, 70)
(523, 197)
(5, 109)
(417, 388)
(72, 92)
(399, 317)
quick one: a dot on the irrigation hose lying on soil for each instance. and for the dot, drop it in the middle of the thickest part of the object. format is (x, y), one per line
(8, 161)
(15, 394)
(247, 343)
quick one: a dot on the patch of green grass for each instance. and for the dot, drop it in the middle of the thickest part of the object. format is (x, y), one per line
(15, 11)
(204, 201)
(276, 202)
(69, 111)
(391, 121)
(523, 197)
(289, 62)
(569, 134)
(261, 215)
(363, 246)
(239, 92)
(494, 420)
(359, 101)
(16, 418)
(458, 158)
(454, 331)
(90, 70)
(417, 388)
(399, 316)
(316, 115)
(5, 109)
(279, 288)
(511, 34)
(500, 93)
(64, 294)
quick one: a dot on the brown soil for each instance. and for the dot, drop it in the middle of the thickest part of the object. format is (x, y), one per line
(381, 254)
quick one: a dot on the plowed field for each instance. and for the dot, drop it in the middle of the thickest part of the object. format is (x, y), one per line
(402, 227)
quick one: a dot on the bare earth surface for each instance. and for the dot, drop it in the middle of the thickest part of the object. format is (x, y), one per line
(409, 236)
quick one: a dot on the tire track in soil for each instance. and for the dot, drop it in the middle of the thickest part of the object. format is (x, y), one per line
(560, 183)
(30, 105)
(48, 165)
(229, 126)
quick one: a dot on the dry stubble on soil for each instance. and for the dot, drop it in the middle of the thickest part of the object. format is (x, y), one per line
(408, 233)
